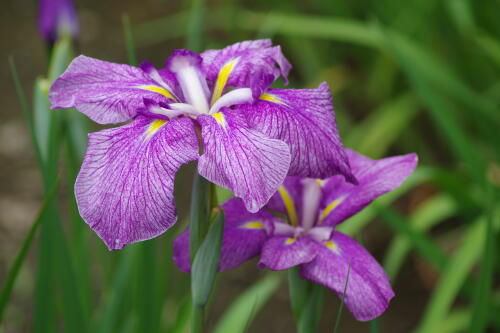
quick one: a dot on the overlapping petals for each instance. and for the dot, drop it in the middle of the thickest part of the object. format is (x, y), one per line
(368, 288)
(254, 64)
(107, 92)
(244, 234)
(237, 157)
(252, 137)
(125, 188)
(304, 119)
(375, 177)
(307, 238)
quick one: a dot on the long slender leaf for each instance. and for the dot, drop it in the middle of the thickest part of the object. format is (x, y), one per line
(427, 215)
(206, 262)
(21, 256)
(241, 312)
(480, 309)
(454, 275)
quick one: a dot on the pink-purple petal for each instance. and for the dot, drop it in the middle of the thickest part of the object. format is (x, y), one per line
(243, 160)
(305, 120)
(368, 289)
(258, 66)
(125, 187)
(282, 252)
(375, 178)
(106, 92)
(244, 234)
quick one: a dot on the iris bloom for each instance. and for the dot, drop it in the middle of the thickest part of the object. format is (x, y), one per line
(306, 236)
(57, 17)
(252, 136)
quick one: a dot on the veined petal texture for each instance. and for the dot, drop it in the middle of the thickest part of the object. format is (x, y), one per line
(243, 160)
(305, 120)
(106, 92)
(125, 187)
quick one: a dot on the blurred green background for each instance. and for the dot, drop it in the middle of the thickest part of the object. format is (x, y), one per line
(407, 76)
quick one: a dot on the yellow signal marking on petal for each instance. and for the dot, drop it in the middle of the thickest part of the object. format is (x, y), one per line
(222, 78)
(159, 90)
(289, 205)
(253, 225)
(321, 182)
(219, 117)
(331, 245)
(271, 98)
(331, 206)
(290, 240)
(155, 126)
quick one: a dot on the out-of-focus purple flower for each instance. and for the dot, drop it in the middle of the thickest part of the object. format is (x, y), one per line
(57, 17)
(252, 136)
(308, 238)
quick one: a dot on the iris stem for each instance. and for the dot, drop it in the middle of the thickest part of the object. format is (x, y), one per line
(200, 209)
(197, 316)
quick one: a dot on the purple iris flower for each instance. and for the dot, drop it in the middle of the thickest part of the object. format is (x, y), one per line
(307, 236)
(57, 17)
(252, 136)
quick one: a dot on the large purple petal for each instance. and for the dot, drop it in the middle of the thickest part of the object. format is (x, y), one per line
(282, 252)
(257, 65)
(375, 177)
(244, 234)
(107, 92)
(368, 288)
(125, 188)
(243, 160)
(304, 119)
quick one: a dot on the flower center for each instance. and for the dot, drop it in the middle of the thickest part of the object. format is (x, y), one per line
(193, 84)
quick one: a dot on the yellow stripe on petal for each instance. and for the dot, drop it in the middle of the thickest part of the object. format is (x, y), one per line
(159, 90)
(155, 126)
(331, 246)
(328, 209)
(290, 240)
(222, 78)
(219, 117)
(289, 205)
(253, 225)
(271, 98)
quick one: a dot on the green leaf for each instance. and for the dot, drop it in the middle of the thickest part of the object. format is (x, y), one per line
(241, 312)
(129, 40)
(206, 262)
(453, 277)
(117, 295)
(481, 308)
(195, 25)
(23, 252)
(339, 313)
(199, 213)
(313, 309)
(428, 214)
(375, 134)
(299, 290)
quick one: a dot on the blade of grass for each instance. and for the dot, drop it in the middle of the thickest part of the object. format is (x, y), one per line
(453, 277)
(241, 312)
(428, 214)
(21, 256)
(480, 308)
(383, 126)
(339, 313)
(117, 295)
(310, 316)
(129, 40)
(195, 25)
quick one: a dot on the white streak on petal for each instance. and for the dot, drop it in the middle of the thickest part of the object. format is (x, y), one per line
(310, 202)
(237, 96)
